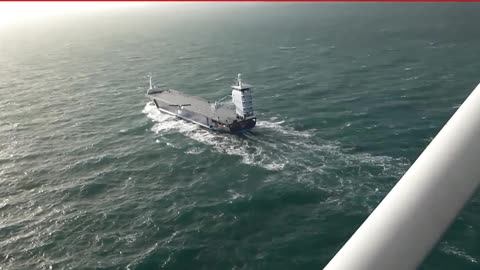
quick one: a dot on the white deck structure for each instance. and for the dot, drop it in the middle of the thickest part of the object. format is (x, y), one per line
(242, 99)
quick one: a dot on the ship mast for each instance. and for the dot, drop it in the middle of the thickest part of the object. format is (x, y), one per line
(150, 81)
(150, 77)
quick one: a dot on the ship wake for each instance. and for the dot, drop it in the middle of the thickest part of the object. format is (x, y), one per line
(274, 145)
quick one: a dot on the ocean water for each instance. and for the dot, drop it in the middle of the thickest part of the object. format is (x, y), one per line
(347, 95)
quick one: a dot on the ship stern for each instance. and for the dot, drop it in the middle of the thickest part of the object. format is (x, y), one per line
(242, 126)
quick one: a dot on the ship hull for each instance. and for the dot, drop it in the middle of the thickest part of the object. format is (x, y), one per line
(205, 121)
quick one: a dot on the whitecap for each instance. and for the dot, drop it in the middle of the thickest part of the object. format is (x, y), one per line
(195, 151)
(459, 253)
(235, 195)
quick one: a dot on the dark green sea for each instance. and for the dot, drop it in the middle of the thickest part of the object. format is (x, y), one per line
(347, 96)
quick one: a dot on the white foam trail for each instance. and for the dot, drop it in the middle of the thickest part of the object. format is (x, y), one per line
(458, 252)
(166, 122)
(278, 127)
(273, 152)
(194, 151)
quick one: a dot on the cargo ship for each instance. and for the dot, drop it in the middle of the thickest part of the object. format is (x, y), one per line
(236, 117)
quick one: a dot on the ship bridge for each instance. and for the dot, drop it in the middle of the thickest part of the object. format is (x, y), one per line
(242, 99)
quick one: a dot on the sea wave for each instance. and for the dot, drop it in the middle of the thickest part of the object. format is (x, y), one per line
(287, 48)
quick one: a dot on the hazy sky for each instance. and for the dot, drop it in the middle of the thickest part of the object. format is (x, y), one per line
(14, 12)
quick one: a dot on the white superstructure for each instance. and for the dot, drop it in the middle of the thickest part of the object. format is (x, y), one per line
(242, 99)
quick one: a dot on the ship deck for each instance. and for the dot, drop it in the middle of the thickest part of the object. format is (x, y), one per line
(198, 105)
